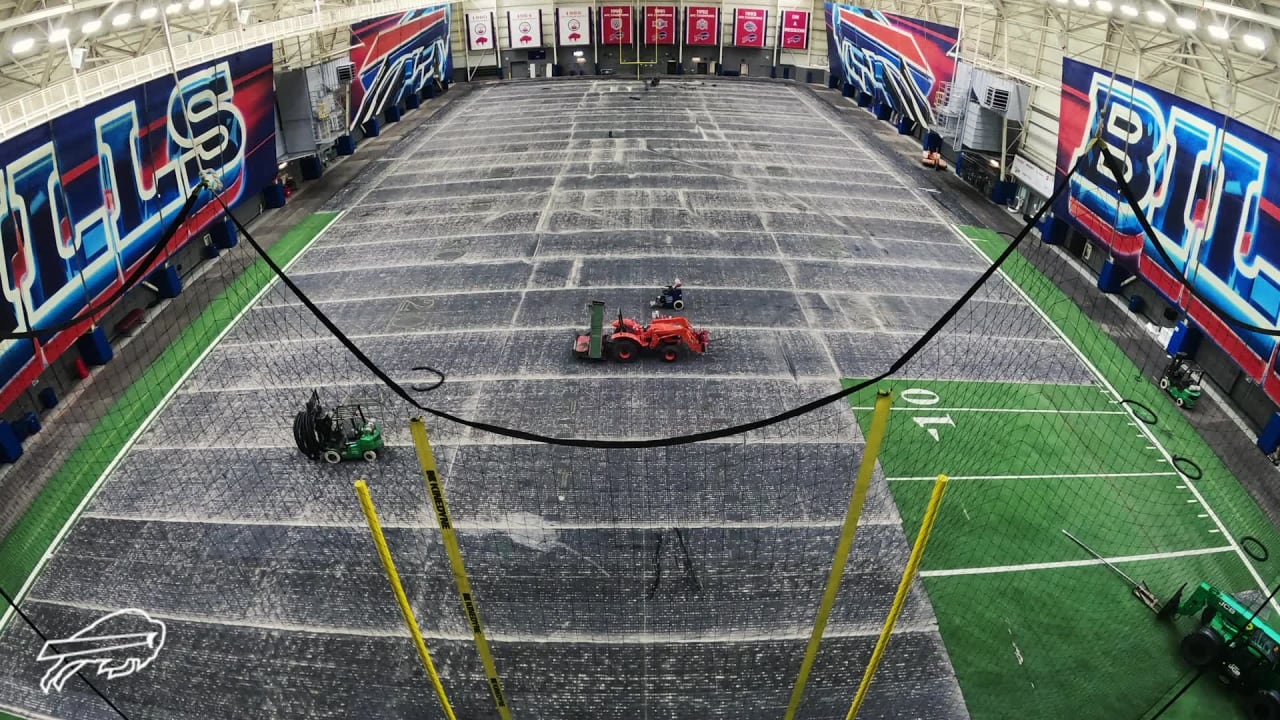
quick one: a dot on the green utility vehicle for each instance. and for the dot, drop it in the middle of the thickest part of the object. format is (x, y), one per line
(1251, 665)
(1181, 379)
(333, 436)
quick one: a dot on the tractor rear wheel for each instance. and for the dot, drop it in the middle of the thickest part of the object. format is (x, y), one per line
(678, 305)
(370, 456)
(624, 350)
(1179, 402)
(1202, 646)
(1164, 383)
(1264, 705)
(670, 353)
(332, 457)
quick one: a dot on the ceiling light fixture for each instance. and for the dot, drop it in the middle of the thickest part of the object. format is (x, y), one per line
(91, 27)
(195, 4)
(173, 8)
(122, 19)
(1187, 23)
(1128, 11)
(148, 12)
(1082, 3)
(1254, 41)
(58, 35)
(23, 45)
(1104, 6)
(216, 3)
(1156, 17)
(1218, 32)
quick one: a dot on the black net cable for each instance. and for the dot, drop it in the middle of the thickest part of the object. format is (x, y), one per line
(808, 407)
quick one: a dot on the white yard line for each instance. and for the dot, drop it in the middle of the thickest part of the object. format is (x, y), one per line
(783, 634)
(1073, 563)
(146, 423)
(482, 526)
(1054, 476)
(1046, 411)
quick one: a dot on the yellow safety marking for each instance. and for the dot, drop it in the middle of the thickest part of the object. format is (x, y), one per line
(908, 575)
(375, 527)
(875, 438)
(435, 486)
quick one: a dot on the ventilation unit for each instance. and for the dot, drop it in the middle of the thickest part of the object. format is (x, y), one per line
(346, 73)
(997, 100)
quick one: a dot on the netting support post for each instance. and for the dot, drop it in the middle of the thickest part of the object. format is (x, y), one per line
(908, 576)
(875, 438)
(388, 564)
(449, 536)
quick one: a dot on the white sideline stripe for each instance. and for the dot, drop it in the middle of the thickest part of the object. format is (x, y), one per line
(1072, 563)
(146, 423)
(931, 408)
(1056, 476)
(791, 633)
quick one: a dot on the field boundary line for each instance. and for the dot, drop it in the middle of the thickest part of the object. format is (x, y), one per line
(996, 569)
(1052, 476)
(1038, 411)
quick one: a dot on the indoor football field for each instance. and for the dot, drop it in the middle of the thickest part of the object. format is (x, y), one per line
(678, 581)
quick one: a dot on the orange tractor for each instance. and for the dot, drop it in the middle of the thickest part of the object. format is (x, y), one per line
(627, 339)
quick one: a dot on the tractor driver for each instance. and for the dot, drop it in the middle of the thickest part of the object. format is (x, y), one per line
(674, 290)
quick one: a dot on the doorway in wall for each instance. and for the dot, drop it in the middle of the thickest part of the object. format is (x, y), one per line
(703, 68)
(742, 68)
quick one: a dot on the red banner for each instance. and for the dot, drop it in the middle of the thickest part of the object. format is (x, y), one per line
(615, 25)
(702, 26)
(749, 27)
(659, 24)
(795, 30)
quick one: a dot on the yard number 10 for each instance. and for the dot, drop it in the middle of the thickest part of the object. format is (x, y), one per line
(924, 398)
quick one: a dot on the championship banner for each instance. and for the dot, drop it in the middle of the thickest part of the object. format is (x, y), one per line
(659, 24)
(749, 27)
(524, 28)
(573, 25)
(702, 26)
(616, 22)
(480, 31)
(795, 30)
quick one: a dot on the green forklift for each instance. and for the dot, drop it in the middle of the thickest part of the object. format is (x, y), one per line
(1250, 665)
(343, 433)
(1242, 650)
(1181, 379)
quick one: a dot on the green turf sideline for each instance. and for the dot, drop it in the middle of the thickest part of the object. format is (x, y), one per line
(60, 501)
(1221, 490)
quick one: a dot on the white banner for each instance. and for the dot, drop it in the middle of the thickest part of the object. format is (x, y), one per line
(1032, 176)
(480, 33)
(524, 28)
(573, 25)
